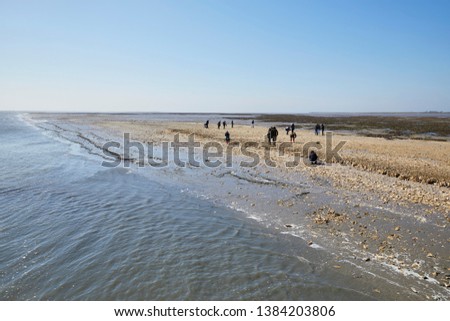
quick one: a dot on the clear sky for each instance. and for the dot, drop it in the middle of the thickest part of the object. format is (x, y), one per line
(225, 56)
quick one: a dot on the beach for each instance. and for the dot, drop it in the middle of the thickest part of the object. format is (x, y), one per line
(377, 212)
(409, 160)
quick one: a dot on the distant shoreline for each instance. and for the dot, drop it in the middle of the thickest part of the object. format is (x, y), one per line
(420, 126)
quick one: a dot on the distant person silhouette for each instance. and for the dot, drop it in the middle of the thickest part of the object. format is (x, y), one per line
(293, 136)
(232, 124)
(322, 128)
(316, 130)
(227, 137)
(207, 124)
(253, 123)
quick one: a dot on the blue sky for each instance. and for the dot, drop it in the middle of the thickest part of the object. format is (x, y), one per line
(225, 56)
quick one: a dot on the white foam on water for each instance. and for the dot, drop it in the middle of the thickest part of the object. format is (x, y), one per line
(371, 273)
(316, 246)
(408, 272)
(293, 234)
(256, 218)
(421, 219)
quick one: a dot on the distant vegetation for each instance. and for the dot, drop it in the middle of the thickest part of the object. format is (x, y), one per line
(434, 128)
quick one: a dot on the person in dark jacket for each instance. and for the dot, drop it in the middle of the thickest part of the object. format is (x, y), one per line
(227, 137)
(316, 130)
(313, 157)
(272, 135)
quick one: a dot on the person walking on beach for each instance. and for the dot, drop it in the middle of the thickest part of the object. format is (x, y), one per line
(288, 129)
(293, 136)
(232, 124)
(322, 128)
(292, 127)
(272, 135)
(224, 124)
(253, 123)
(218, 125)
(227, 137)
(207, 124)
(317, 129)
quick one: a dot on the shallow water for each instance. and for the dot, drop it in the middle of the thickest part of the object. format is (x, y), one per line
(73, 230)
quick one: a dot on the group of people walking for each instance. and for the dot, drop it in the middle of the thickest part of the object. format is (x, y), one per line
(224, 125)
(290, 129)
(319, 128)
(272, 135)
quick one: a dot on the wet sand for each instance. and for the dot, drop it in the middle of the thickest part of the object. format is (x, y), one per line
(383, 208)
